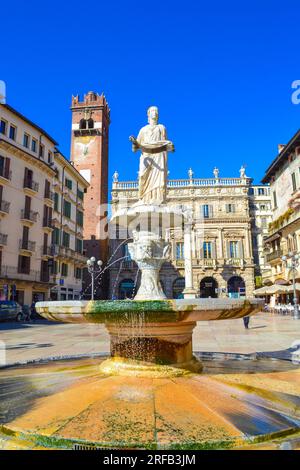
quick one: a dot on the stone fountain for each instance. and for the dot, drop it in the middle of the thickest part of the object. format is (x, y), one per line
(149, 393)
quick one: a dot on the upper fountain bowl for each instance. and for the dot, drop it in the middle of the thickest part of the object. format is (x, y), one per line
(152, 311)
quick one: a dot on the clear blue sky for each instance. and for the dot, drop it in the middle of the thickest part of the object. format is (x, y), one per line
(220, 72)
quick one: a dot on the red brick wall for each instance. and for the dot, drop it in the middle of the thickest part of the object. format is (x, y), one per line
(89, 151)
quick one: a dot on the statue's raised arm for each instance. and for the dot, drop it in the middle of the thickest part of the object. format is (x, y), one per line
(153, 143)
(157, 147)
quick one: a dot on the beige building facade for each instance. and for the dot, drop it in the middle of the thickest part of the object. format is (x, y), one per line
(283, 239)
(221, 238)
(26, 173)
(29, 164)
(69, 188)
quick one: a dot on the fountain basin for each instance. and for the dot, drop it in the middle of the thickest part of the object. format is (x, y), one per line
(157, 331)
(233, 404)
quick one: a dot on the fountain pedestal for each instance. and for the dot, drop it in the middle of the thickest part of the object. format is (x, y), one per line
(168, 344)
(149, 251)
(148, 224)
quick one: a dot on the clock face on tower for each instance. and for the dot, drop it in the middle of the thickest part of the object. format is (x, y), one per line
(83, 145)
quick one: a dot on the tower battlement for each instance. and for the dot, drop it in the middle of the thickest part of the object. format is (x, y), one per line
(90, 99)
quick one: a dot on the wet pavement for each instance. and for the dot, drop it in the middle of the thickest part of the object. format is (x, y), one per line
(269, 334)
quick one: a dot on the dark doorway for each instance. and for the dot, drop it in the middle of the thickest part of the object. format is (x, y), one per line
(208, 288)
(236, 287)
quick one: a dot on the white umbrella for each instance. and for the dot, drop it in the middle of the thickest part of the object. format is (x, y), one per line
(269, 290)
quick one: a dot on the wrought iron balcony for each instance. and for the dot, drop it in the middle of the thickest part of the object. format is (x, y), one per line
(80, 257)
(63, 251)
(29, 215)
(4, 206)
(277, 254)
(49, 195)
(47, 251)
(47, 223)
(6, 174)
(45, 276)
(32, 185)
(26, 245)
(3, 239)
(13, 272)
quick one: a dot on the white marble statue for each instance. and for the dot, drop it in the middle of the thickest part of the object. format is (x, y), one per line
(243, 172)
(216, 172)
(153, 171)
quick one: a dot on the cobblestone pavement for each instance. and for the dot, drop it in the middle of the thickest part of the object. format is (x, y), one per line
(31, 341)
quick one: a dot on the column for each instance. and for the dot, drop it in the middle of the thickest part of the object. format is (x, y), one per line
(220, 250)
(189, 291)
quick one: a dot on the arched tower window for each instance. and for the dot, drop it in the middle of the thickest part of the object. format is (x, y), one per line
(82, 124)
(90, 123)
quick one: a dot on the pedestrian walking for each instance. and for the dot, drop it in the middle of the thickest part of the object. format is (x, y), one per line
(246, 322)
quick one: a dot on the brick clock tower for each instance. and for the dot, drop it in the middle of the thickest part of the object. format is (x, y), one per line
(89, 152)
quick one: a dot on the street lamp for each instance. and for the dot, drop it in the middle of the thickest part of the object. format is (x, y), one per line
(292, 262)
(93, 270)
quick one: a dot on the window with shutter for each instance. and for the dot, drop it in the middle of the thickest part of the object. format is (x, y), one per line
(56, 201)
(66, 239)
(205, 211)
(207, 250)
(67, 209)
(7, 168)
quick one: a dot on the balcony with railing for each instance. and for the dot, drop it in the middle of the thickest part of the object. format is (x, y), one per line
(179, 262)
(236, 262)
(3, 239)
(28, 215)
(48, 223)
(184, 183)
(207, 262)
(31, 185)
(46, 251)
(4, 207)
(80, 257)
(27, 245)
(274, 255)
(45, 276)
(12, 272)
(5, 174)
(63, 252)
(49, 195)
